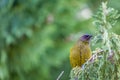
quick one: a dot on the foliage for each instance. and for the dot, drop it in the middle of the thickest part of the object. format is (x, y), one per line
(104, 64)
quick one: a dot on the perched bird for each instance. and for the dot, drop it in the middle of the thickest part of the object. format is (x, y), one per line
(81, 51)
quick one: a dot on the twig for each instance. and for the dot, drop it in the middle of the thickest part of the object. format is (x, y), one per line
(93, 56)
(60, 75)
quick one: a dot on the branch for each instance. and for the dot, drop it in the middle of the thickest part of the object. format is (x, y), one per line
(60, 75)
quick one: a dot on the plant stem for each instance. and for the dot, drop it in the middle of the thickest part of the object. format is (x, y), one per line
(105, 34)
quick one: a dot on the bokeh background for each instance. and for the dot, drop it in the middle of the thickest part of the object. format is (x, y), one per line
(36, 35)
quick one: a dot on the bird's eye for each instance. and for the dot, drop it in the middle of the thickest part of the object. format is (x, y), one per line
(87, 36)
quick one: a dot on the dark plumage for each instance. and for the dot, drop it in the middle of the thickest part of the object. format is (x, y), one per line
(86, 37)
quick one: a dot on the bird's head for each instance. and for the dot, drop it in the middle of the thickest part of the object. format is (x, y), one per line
(86, 38)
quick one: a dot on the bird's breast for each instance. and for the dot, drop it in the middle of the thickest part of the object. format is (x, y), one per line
(79, 54)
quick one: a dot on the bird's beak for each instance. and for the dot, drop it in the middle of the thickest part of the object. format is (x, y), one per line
(90, 36)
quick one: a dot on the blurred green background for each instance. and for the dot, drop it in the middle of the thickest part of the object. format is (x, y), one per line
(36, 36)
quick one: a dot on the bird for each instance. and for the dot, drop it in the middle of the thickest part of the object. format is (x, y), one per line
(81, 51)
